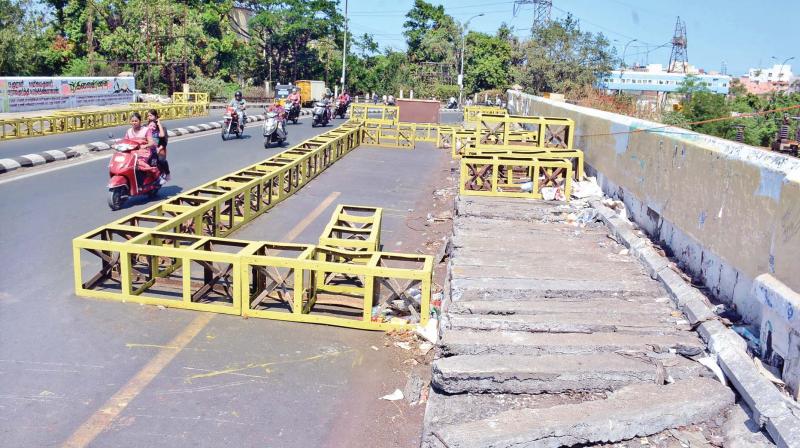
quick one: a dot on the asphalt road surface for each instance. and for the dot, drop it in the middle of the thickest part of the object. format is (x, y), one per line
(83, 372)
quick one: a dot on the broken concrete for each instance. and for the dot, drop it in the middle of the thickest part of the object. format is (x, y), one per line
(578, 322)
(461, 342)
(633, 411)
(516, 374)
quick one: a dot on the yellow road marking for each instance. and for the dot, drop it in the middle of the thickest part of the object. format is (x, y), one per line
(103, 417)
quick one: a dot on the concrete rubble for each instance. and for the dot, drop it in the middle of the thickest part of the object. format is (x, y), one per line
(553, 335)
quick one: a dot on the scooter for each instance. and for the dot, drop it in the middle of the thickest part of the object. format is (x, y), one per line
(230, 124)
(126, 180)
(292, 112)
(321, 114)
(274, 130)
(341, 109)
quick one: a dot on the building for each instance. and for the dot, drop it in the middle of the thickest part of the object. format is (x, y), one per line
(653, 78)
(778, 78)
(776, 74)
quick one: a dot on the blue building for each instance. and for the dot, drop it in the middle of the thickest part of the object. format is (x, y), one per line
(657, 80)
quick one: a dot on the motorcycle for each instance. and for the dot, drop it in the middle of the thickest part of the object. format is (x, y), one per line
(274, 130)
(341, 109)
(452, 104)
(321, 114)
(292, 112)
(126, 180)
(230, 124)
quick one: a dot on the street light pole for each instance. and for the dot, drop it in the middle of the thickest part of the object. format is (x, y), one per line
(463, 43)
(344, 47)
(783, 64)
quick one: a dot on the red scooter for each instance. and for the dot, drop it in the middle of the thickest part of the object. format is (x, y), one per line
(131, 173)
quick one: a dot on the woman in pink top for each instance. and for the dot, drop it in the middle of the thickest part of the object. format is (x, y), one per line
(139, 132)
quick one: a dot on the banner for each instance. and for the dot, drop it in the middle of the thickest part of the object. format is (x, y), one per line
(24, 94)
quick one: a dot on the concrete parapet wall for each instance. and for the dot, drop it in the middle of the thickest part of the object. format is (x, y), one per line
(729, 212)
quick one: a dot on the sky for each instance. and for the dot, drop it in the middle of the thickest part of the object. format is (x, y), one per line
(743, 34)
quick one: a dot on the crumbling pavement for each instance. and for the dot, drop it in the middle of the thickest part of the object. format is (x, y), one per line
(554, 335)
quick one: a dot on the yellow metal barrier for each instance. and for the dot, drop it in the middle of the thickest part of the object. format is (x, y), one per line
(332, 286)
(576, 156)
(72, 121)
(353, 227)
(472, 113)
(513, 175)
(376, 114)
(400, 135)
(190, 97)
(503, 129)
(177, 254)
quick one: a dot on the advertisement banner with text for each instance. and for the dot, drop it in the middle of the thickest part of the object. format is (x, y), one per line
(28, 93)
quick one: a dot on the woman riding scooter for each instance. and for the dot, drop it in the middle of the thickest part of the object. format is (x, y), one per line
(147, 152)
(159, 134)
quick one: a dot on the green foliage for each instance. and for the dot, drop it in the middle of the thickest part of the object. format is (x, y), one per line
(700, 104)
(428, 30)
(487, 64)
(562, 58)
(215, 87)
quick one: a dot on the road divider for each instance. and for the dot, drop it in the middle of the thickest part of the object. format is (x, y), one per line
(54, 155)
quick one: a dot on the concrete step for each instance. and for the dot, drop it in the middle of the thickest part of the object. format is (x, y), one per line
(554, 305)
(444, 409)
(518, 374)
(514, 209)
(634, 411)
(463, 342)
(476, 295)
(514, 289)
(578, 322)
(608, 271)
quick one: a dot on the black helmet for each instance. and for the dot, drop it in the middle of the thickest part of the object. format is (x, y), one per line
(238, 95)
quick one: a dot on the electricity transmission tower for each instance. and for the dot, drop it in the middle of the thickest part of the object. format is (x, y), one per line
(678, 60)
(541, 12)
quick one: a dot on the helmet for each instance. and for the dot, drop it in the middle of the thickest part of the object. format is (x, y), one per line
(238, 95)
(295, 89)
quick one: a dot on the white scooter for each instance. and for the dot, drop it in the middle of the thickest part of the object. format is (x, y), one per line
(274, 130)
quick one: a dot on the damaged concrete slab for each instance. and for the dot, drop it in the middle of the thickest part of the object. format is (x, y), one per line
(555, 334)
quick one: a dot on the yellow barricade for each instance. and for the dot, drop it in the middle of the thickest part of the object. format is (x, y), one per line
(176, 253)
(73, 121)
(401, 135)
(504, 129)
(576, 156)
(513, 175)
(376, 114)
(190, 97)
(353, 227)
(472, 113)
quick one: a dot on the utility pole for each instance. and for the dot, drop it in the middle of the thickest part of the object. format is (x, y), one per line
(679, 45)
(90, 35)
(541, 12)
(463, 43)
(344, 48)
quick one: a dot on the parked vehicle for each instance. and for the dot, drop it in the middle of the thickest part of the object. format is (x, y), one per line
(452, 103)
(320, 114)
(230, 124)
(274, 130)
(311, 91)
(131, 173)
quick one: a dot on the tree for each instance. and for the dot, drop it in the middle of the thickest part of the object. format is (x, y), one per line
(562, 58)
(430, 33)
(488, 60)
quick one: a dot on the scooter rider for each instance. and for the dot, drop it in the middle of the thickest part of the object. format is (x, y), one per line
(294, 97)
(147, 152)
(239, 104)
(280, 111)
(344, 97)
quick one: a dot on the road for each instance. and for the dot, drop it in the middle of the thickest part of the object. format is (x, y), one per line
(14, 148)
(182, 378)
